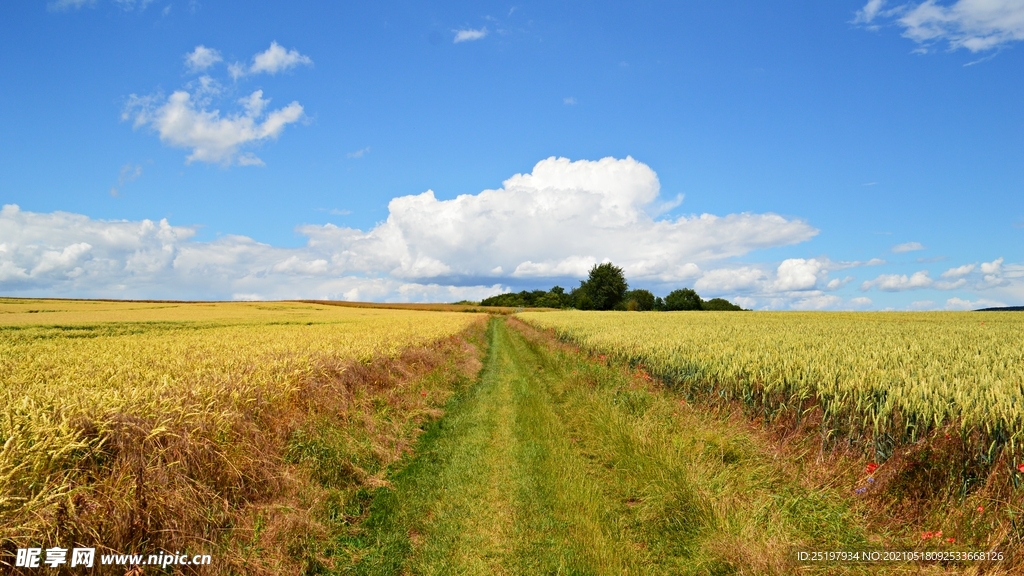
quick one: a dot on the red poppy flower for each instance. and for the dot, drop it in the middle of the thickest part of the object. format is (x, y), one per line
(951, 540)
(981, 508)
(870, 469)
(1020, 468)
(926, 535)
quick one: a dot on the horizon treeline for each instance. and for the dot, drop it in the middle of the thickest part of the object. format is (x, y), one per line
(606, 288)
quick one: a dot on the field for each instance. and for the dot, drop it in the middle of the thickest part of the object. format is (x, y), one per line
(304, 437)
(131, 423)
(933, 401)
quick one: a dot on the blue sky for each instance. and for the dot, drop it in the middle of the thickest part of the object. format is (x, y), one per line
(832, 155)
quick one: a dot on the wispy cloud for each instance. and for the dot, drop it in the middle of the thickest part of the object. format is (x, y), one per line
(907, 247)
(128, 173)
(569, 101)
(65, 5)
(358, 153)
(975, 25)
(469, 34)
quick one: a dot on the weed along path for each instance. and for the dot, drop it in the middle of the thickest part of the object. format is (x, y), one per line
(553, 463)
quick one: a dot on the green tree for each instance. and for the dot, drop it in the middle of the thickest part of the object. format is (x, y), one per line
(639, 300)
(683, 299)
(605, 286)
(720, 304)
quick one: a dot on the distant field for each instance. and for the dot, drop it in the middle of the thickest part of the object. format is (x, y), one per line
(57, 310)
(106, 402)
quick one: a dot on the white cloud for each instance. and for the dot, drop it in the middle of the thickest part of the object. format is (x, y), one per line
(553, 222)
(897, 282)
(959, 272)
(993, 267)
(553, 219)
(182, 122)
(64, 5)
(798, 274)
(569, 101)
(976, 25)
(815, 301)
(62, 254)
(861, 301)
(730, 280)
(866, 14)
(570, 266)
(469, 34)
(992, 274)
(358, 153)
(961, 304)
(907, 247)
(276, 59)
(201, 58)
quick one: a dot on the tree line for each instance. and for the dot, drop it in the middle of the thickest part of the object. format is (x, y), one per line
(606, 289)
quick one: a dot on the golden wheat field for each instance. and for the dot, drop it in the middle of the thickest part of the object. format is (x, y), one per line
(886, 378)
(74, 375)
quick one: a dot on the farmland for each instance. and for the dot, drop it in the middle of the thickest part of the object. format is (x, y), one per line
(932, 402)
(146, 422)
(300, 437)
(891, 378)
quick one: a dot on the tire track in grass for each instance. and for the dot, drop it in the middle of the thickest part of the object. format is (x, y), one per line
(552, 464)
(497, 488)
(448, 511)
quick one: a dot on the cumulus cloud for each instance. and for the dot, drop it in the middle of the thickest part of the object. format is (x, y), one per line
(68, 254)
(959, 272)
(187, 118)
(975, 25)
(183, 122)
(985, 276)
(562, 217)
(907, 247)
(276, 59)
(798, 274)
(201, 58)
(469, 34)
(552, 223)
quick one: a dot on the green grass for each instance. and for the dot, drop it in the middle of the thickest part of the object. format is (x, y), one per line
(556, 464)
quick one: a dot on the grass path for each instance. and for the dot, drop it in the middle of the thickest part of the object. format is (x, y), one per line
(556, 464)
